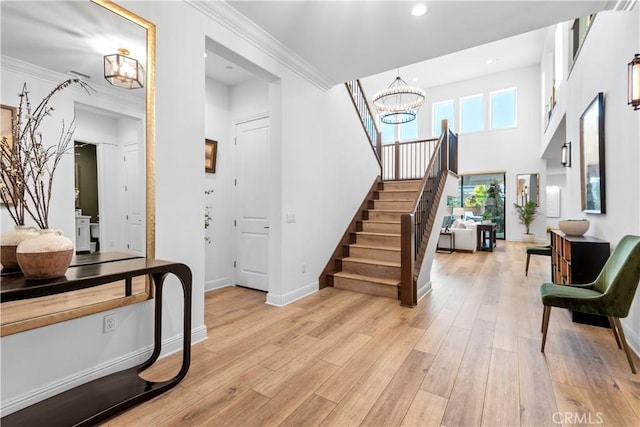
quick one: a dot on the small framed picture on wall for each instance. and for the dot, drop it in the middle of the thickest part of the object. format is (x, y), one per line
(210, 155)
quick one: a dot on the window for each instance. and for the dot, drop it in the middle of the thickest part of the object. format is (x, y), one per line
(471, 114)
(402, 132)
(441, 110)
(503, 109)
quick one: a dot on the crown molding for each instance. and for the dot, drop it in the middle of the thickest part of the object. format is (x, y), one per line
(240, 25)
(44, 74)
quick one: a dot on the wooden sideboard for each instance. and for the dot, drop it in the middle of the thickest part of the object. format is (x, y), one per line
(578, 260)
(97, 400)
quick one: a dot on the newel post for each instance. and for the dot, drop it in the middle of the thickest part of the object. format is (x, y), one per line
(407, 255)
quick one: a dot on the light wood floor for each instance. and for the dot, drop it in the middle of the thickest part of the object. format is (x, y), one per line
(468, 355)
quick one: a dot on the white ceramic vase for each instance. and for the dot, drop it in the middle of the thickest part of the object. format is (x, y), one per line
(10, 240)
(528, 238)
(46, 256)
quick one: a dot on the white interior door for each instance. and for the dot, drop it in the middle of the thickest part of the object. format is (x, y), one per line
(134, 199)
(252, 204)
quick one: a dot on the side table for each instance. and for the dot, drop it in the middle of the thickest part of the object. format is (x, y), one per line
(452, 242)
(486, 237)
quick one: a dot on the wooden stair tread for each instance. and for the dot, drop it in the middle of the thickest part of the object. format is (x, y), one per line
(377, 221)
(389, 210)
(371, 233)
(394, 200)
(384, 248)
(378, 280)
(372, 261)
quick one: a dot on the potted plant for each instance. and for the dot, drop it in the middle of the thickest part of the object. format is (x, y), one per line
(526, 215)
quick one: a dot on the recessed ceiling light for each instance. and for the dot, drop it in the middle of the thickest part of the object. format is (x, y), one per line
(489, 61)
(415, 79)
(205, 54)
(229, 67)
(419, 9)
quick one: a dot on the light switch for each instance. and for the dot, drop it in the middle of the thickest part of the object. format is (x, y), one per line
(291, 217)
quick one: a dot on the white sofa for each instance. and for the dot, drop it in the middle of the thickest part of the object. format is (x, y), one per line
(465, 236)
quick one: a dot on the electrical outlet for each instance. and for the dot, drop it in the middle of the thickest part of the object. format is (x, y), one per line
(109, 323)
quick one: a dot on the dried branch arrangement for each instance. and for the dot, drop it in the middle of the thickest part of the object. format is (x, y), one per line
(28, 165)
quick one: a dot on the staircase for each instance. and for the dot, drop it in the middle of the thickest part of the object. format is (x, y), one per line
(372, 262)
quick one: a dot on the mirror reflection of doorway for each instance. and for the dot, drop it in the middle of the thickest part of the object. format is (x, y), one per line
(86, 197)
(482, 197)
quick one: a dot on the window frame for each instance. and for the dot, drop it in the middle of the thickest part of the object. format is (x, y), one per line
(435, 125)
(513, 89)
(482, 113)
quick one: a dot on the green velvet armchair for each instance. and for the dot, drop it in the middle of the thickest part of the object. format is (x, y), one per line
(609, 295)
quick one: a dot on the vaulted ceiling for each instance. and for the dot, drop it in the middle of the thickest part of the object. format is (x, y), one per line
(344, 40)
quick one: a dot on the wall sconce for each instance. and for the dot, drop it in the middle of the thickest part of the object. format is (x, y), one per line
(123, 71)
(634, 82)
(565, 154)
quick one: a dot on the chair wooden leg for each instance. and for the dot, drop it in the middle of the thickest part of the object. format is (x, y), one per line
(526, 268)
(546, 313)
(624, 343)
(615, 331)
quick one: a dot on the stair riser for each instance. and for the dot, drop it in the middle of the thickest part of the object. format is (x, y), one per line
(381, 271)
(384, 216)
(387, 241)
(393, 205)
(397, 195)
(377, 254)
(365, 287)
(374, 227)
(402, 185)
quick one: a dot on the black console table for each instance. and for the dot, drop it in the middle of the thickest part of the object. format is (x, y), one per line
(95, 401)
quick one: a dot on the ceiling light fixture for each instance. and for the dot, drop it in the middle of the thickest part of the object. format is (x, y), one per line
(419, 9)
(634, 82)
(399, 103)
(123, 71)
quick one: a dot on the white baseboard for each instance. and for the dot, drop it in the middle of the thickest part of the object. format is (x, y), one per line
(169, 346)
(289, 297)
(633, 339)
(424, 290)
(217, 284)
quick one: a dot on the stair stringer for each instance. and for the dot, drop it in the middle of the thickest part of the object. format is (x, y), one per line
(448, 187)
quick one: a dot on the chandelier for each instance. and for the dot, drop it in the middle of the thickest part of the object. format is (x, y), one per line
(123, 71)
(399, 103)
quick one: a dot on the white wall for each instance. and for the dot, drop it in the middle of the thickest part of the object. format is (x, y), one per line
(322, 167)
(601, 67)
(218, 262)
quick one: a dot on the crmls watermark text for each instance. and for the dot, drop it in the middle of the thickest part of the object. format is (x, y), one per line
(577, 418)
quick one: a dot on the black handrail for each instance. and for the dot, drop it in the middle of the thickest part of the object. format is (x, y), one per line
(367, 119)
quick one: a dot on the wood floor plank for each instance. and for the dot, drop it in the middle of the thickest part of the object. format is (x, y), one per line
(502, 399)
(468, 394)
(353, 408)
(340, 355)
(392, 405)
(350, 373)
(247, 404)
(200, 412)
(574, 406)
(443, 371)
(310, 413)
(434, 336)
(537, 401)
(295, 392)
(426, 410)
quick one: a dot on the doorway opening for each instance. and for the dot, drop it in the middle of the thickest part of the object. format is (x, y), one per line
(482, 196)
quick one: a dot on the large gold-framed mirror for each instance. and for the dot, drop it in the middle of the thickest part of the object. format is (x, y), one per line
(81, 31)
